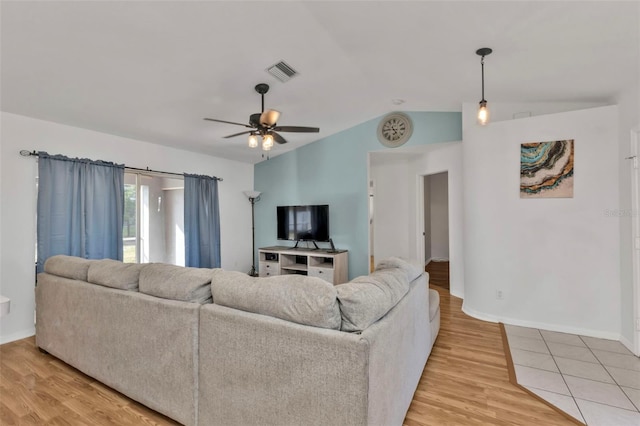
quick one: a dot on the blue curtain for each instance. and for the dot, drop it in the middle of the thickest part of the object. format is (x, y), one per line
(80, 208)
(201, 221)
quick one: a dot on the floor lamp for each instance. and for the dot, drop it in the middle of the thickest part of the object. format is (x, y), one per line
(254, 197)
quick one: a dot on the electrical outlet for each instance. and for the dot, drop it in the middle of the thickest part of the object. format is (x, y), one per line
(499, 294)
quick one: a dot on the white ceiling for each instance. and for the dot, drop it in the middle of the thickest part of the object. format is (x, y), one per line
(152, 70)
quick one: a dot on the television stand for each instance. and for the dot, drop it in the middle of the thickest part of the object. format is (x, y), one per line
(326, 264)
(314, 243)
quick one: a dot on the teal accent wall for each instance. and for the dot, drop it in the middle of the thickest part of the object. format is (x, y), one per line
(333, 171)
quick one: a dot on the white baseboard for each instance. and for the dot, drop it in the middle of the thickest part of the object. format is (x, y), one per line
(543, 326)
(455, 293)
(439, 259)
(23, 334)
(629, 345)
(478, 315)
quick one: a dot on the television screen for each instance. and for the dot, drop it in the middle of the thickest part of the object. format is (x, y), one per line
(303, 223)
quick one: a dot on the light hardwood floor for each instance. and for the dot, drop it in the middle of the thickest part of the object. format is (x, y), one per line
(438, 273)
(465, 382)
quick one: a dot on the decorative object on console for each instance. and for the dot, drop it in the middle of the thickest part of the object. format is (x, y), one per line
(483, 111)
(395, 129)
(264, 124)
(254, 197)
(546, 169)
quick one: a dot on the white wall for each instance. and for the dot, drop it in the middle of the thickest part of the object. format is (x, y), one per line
(400, 207)
(439, 206)
(391, 199)
(556, 261)
(18, 200)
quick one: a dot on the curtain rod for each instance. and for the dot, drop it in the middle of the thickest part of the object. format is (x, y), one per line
(26, 153)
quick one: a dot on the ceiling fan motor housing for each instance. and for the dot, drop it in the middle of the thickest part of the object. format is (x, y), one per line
(254, 119)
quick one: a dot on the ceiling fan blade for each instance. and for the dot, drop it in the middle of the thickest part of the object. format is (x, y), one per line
(278, 138)
(269, 117)
(228, 122)
(297, 129)
(237, 134)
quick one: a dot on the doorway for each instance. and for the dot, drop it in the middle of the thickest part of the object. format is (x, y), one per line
(436, 228)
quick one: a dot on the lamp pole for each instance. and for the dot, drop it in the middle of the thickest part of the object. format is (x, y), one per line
(254, 197)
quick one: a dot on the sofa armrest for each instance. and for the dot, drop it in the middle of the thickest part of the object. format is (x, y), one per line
(400, 344)
(259, 370)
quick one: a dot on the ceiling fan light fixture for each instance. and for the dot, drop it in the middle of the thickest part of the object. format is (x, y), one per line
(253, 141)
(263, 124)
(269, 118)
(483, 111)
(267, 142)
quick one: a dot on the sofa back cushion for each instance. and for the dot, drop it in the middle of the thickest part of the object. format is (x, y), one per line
(176, 282)
(115, 274)
(75, 268)
(296, 298)
(366, 299)
(413, 268)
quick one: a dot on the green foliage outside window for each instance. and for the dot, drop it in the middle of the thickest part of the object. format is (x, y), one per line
(129, 222)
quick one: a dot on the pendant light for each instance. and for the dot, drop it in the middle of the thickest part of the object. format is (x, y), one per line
(483, 111)
(267, 142)
(253, 140)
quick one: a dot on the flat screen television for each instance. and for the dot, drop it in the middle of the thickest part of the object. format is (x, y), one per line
(303, 223)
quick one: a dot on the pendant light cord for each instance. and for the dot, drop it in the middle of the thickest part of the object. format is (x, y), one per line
(482, 65)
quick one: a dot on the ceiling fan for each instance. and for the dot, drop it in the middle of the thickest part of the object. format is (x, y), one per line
(264, 124)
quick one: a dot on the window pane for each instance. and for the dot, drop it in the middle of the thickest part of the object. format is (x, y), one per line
(129, 226)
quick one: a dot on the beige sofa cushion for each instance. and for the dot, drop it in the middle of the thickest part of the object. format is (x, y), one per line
(412, 268)
(296, 298)
(176, 282)
(115, 274)
(366, 299)
(71, 267)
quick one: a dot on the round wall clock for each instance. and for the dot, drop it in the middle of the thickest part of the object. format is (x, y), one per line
(394, 129)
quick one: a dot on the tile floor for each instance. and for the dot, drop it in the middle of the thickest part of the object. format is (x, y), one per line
(597, 381)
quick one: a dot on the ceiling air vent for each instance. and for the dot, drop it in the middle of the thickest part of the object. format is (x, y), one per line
(282, 71)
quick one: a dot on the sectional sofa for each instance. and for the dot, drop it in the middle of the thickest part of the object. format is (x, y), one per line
(215, 347)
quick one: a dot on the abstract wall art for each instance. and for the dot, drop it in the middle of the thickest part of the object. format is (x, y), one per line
(546, 169)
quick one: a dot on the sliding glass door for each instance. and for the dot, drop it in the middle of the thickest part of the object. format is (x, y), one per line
(153, 226)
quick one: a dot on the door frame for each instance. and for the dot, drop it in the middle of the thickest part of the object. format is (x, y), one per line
(635, 235)
(420, 202)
